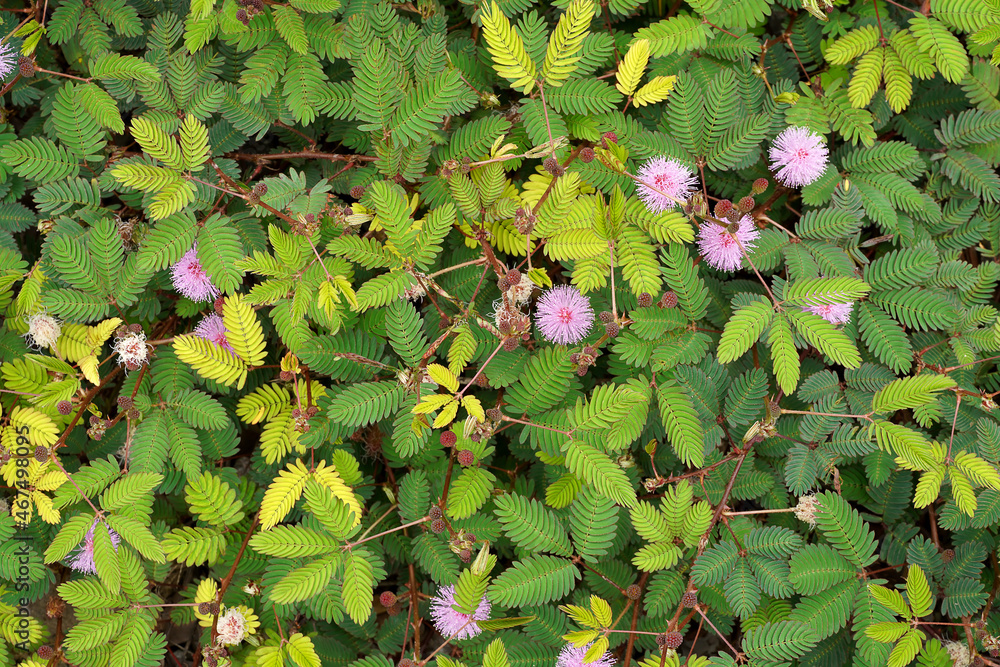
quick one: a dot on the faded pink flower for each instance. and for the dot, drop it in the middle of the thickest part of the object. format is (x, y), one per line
(720, 249)
(190, 279)
(83, 561)
(213, 329)
(8, 60)
(449, 621)
(232, 627)
(667, 176)
(798, 156)
(563, 315)
(834, 313)
(132, 350)
(572, 656)
(43, 330)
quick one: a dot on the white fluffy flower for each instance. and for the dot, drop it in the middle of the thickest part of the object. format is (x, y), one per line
(132, 350)
(43, 330)
(959, 653)
(232, 627)
(806, 509)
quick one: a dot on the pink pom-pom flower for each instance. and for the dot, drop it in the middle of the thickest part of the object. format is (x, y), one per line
(190, 279)
(563, 315)
(83, 561)
(572, 656)
(834, 313)
(450, 621)
(798, 156)
(213, 329)
(668, 177)
(719, 247)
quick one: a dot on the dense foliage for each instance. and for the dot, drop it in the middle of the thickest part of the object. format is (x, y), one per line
(342, 332)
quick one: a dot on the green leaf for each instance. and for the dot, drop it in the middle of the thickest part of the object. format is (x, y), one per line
(846, 531)
(359, 585)
(743, 329)
(533, 581)
(918, 591)
(531, 526)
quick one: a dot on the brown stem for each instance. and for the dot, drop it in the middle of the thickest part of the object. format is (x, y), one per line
(635, 621)
(311, 155)
(224, 585)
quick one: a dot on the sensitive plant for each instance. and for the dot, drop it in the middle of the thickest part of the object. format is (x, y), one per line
(341, 332)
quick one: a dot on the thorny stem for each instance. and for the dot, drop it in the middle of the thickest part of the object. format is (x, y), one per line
(712, 625)
(471, 262)
(787, 509)
(786, 411)
(548, 127)
(224, 586)
(55, 459)
(372, 527)
(319, 259)
(774, 224)
(68, 76)
(746, 256)
(312, 155)
(505, 418)
(479, 372)
(444, 643)
(635, 618)
(954, 422)
(614, 304)
(949, 369)
(878, 19)
(348, 547)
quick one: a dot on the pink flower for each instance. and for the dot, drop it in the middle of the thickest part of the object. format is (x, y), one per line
(834, 313)
(572, 656)
(83, 561)
(449, 621)
(8, 60)
(798, 156)
(667, 176)
(190, 279)
(213, 329)
(563, 315)
(720, 249)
